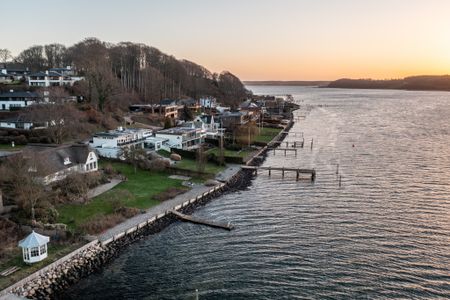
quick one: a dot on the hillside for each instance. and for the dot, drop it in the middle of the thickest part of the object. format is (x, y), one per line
(425, 83)
(116, 74)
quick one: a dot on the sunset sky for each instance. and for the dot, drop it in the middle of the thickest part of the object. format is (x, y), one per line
(254, 39)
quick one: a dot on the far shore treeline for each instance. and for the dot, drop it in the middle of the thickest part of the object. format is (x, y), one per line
(414, 83)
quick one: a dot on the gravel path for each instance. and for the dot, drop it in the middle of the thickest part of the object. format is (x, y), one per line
(103, 188)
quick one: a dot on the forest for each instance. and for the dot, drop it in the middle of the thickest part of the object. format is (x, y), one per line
(117, 74)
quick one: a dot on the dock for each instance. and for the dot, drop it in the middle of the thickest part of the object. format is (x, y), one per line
(195, 220)
(283, 149)
(293, 144)
(311, 172)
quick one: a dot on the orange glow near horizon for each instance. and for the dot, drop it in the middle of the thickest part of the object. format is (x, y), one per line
(260, 39)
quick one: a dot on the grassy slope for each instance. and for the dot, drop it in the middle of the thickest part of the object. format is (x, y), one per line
(267, 134)
(143, 186)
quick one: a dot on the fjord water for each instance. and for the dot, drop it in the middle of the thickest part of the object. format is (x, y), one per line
(385, 233)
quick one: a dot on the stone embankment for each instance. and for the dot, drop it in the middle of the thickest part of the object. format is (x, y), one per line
(51, 281)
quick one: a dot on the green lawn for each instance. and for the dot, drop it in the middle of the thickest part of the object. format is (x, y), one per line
(55, 252)
(8, 147)
(232, 153)
(191, 164)
(142, 185)
(267, 134)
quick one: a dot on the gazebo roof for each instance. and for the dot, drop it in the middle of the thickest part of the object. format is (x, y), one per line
(34, 240)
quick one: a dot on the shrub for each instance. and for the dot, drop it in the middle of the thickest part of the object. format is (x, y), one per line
(100, 223)
(169, 193)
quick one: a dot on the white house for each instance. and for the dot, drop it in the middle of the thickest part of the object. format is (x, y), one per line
(208, 102)
(182, 137)
(34, 247)
(210, 124)
(16, 123)
(15, 100)
(51, 78)
(112, 143)
(15, 74)
(58, 161)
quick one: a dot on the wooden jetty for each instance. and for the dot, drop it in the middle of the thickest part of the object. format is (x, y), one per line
(283, 149)
(294, 133)
(311, 172)
(195, 220)
(294, 144)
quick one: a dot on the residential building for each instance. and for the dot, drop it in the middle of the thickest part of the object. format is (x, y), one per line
(51, 78)
(58, 161)
(166, 109)
(15, 74)
(112, 143)
(192, 104)
(185, 138)
(211, 125)
(67, 71)
(208, 102)
(231, 120)
(15, 100)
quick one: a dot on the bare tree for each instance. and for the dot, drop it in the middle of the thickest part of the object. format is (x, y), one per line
(134, 155)
(55, 54)
(24, 176)
(200, 159)
(5, 55)
(33, 58)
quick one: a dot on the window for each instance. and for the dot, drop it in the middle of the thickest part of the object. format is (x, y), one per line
(43, 249)
(34, 251)
(26, 255)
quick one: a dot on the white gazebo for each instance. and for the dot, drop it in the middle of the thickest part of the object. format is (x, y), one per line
(34, 247)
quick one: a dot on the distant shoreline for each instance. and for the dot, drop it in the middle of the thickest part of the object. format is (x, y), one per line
(287, 83)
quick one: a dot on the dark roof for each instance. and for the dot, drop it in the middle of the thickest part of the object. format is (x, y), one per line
(52, 156)
(187, 102)
(19, 94)
(17, 119)
(43, 74)
(168, 102)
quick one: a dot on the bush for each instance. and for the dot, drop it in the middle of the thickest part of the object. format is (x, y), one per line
(109, 170)
(169, 194)
(100, 223)
(158, 164)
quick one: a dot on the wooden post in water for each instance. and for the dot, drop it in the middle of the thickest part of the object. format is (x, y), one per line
(273, 151)
(312, 141)
(337, 169)
(313, 175)
(340, 180)
(298, 174)
(287, 144)
(295, 151)
(282, 172)
(284, 152)
(269, 170)
(295, 144)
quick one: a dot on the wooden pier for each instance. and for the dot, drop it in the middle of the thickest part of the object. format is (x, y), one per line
(294, 133)
(283, 149)
(195, 220)
(293, 144)
(310, 172)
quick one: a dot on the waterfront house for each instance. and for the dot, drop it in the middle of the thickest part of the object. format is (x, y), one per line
(51, 78)
(13, 100)
(18, 122)
(34, 247)
(231, 120)
(185, 138)
(55, 162)
(210, 124)
(112, 143)
(15, 73)
(192, 104)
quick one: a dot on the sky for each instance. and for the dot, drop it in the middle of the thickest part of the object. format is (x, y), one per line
(253, 39)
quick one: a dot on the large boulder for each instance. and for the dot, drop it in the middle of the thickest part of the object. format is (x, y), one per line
(175, 157)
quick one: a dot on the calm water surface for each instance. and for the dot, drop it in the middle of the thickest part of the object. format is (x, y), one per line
(384, 234)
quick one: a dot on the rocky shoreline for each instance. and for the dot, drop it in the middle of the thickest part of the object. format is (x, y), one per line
(52, 283)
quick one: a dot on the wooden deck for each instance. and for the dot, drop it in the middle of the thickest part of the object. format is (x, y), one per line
(195, 220)
(298, 172)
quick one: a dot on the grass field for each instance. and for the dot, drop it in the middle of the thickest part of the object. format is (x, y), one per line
(267, 134)
(142, 186)
(191, 164)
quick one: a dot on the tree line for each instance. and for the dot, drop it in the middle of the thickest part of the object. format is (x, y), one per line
(115, 72)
